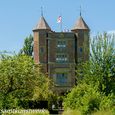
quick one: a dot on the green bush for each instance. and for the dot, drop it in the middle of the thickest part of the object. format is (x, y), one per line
(107, 103)
(9, 102)
(88, 99)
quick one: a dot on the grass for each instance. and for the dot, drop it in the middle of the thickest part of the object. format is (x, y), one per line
(75, 112)
(103, 113)
(71, 112)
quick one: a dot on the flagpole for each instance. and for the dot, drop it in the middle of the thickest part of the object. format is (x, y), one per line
(61, 24)
(59, 20)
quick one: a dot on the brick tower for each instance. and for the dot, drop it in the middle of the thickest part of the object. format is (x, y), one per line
(40, 43)
(81, 31)
(59, 52)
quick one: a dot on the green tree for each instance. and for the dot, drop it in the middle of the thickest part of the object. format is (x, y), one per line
(19, 79)
(95, 78)
(101, 66)
(88, 99)
(28, 46)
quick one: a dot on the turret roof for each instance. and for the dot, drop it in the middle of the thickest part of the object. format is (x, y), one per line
(42, 24)
(80, 24)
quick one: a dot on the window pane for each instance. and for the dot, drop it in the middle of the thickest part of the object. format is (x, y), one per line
(80, 50)
(61, 58)
(61, 78)
(41, 50)
(61, 44)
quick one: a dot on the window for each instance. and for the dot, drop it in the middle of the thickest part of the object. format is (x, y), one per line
(61, 78)
(61, 44)
(61, 50)
(41, 50)
(61, 58)
(81, 50)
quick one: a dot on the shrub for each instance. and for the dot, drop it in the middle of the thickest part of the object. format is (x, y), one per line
(108, 103)
(88, 99)
(9, 102)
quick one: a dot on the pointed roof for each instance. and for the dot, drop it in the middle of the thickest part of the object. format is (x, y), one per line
(42, 24)
(80, 24)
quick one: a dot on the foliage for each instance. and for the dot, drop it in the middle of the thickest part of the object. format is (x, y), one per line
(19, 78)
(103, 55)
(41, 90)
(71, 112)
(100, 69)
(9, 102)
(87, 98)
(95, 78)
(107, 103)
(103, 113)
(75, 112)
(28, 46)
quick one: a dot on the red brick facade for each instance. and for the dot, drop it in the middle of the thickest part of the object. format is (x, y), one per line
(59, 52)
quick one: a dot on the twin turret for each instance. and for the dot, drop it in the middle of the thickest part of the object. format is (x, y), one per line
(79, 25)
(81, 31)
(59, 52)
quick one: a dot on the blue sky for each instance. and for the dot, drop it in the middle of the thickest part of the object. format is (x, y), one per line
(18, 17)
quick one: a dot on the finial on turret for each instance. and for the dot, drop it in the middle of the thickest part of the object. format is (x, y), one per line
(80, 10)
(41, 11)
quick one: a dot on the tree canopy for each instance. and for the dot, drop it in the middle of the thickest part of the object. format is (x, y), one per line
(95, 88)
(21, 79)
(28, 46)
